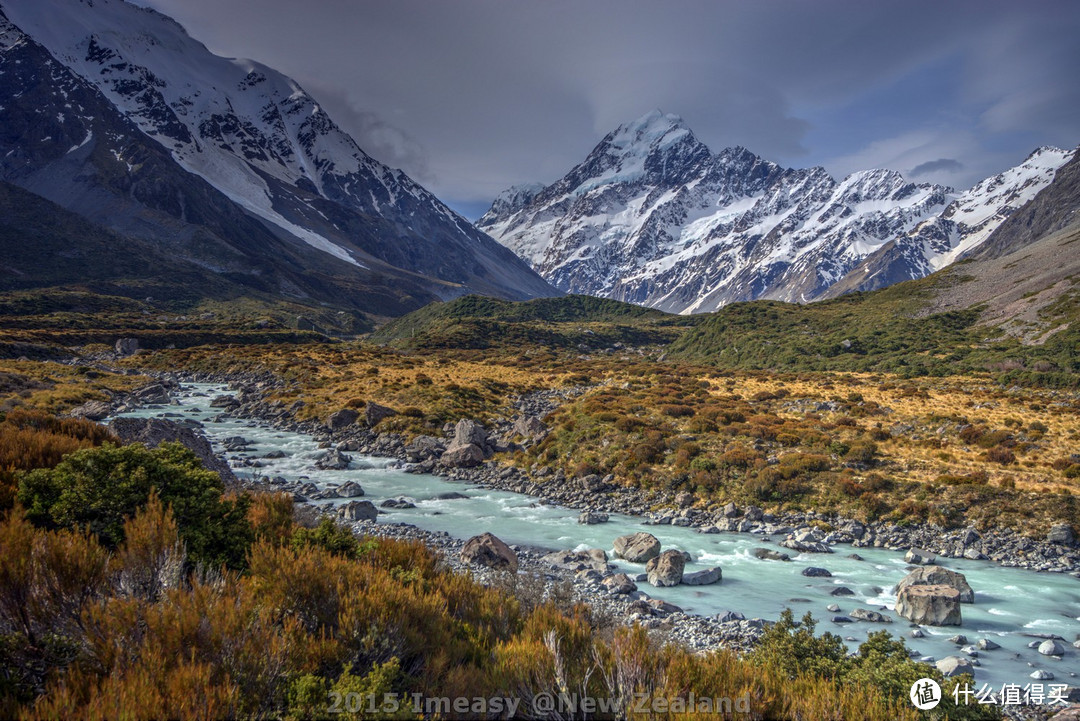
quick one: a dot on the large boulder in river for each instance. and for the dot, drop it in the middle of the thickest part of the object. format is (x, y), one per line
(332, 460)
(350, 489)
(666, 569)
(591, 518)
(865, 614)
(637, 547)
(487, 550)
(930, 605)
(937, 576)
(152, 432)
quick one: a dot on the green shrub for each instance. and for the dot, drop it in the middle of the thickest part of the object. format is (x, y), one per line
(98, 488)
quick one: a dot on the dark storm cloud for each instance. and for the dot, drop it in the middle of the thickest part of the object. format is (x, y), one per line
(474, 95)
(937, 166)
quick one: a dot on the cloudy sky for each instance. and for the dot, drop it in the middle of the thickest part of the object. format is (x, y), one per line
(472, 96)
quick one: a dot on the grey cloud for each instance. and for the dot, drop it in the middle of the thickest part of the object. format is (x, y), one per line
(475, 95)
(947, 165)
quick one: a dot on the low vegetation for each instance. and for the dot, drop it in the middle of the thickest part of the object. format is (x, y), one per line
(103, 622)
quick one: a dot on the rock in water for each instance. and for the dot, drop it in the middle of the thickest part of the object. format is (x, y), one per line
(359, 511)
(637, 547)
(350, 489)
(863, 614)
(919, 557)
(937, 576)
(487, 550)
(591, 518)
(954, 666)
(937, 605)
(666, 569)
(706, 577)
(1050, 647)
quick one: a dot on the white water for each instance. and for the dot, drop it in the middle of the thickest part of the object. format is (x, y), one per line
(1008, 602)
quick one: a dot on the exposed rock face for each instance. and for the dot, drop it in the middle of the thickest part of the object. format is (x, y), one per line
(935, 575)
(342, 419)
(954, 666)
(637, 547)
(487, 550)
(705, 577)
(666, 569)
(359, 511)
(152, 432)
(373, 413)
(937, 605)
(919, 557)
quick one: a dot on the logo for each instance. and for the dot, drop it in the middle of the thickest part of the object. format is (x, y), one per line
(925, 694)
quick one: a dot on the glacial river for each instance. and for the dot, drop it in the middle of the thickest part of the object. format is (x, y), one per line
(1009, 603)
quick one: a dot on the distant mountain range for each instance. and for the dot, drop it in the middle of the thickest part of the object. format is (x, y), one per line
(227, 166)
(653, 217)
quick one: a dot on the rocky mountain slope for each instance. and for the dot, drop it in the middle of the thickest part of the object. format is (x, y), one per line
(113, 111)
(652, 216)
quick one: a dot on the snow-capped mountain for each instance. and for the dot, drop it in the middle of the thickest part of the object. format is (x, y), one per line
(259, 139)
(960, 229)
(652, 216)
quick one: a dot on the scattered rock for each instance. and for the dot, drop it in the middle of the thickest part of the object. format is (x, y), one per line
(1043, 675)
(619, 583)
(985, 644)
(487, 550)
(637, 547)
(841, 591)
(768, 554)
(810, 540)
(332, 460)
(400, 502)
(462, 456)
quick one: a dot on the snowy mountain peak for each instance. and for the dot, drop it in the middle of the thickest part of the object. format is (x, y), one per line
(652, 216)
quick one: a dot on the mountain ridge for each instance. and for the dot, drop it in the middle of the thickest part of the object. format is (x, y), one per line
(652, 216)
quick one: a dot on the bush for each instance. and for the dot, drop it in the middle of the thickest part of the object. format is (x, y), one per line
(99, 488)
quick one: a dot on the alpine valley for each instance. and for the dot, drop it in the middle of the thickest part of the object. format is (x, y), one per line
(653, 217)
